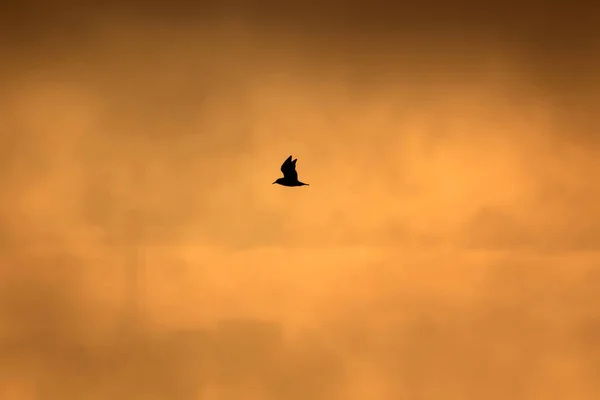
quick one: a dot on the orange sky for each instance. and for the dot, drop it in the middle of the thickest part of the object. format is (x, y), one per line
(452, 159)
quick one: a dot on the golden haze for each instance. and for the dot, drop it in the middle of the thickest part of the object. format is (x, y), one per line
(446, 248)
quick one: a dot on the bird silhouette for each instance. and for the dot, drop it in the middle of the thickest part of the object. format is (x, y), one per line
(290, 175)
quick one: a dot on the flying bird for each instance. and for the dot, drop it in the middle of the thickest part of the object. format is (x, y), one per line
(290, 175)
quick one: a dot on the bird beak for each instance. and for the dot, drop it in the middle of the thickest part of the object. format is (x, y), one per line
(274, 183)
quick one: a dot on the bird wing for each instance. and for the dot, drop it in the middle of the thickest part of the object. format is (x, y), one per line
(288, 168)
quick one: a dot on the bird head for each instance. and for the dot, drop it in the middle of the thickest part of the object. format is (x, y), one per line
(278, 181)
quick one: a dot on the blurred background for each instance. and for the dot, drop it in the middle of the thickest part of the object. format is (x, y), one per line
(448, 246)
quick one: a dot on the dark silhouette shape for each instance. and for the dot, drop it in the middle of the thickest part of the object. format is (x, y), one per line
(290, 175)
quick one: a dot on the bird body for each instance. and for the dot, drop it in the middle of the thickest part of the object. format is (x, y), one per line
(290, 175)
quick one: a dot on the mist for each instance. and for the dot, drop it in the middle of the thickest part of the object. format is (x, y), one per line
(446, 248)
